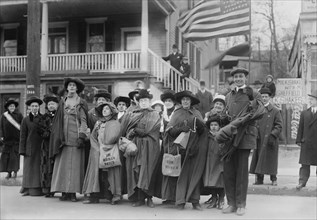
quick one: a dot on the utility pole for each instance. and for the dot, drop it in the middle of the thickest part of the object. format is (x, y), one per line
(33, 49)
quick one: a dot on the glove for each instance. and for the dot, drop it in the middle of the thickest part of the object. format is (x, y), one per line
(249, 92)
(81, 140)
(140, 132)
(271, 141)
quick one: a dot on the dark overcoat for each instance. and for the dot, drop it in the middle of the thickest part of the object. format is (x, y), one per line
(265, 158)
(205, 102)
(175, 60)
(30, 147)
(307, 136)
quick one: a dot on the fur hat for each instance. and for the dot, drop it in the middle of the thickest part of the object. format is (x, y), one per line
(103, 93)
(48, 98)
(144, 94)
(239, 70)
(34, 99)
(215, 118)
(134, 92)
(168, 94)
(9, 102)
(125, 99)
(186, 93)
(79, 83)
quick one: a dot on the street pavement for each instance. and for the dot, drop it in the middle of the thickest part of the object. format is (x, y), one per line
(14, 206)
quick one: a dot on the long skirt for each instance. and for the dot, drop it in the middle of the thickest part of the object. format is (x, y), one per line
(68, 173)
(10, 159)
(47, 165)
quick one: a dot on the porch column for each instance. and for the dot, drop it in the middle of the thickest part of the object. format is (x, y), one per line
(144, 35)
(44, 38)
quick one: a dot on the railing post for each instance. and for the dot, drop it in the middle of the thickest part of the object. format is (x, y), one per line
(144, 35)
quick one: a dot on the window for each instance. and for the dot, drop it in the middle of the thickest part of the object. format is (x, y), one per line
(57, 40)
(131, 39)
(9, 40)
(96, 34)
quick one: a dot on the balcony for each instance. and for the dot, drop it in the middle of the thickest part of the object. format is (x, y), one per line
(115, 61)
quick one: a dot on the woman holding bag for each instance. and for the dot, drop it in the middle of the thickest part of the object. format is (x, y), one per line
(186, 187)
(103, 182)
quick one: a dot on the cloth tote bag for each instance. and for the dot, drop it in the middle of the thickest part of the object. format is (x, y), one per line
(171, 164)
(109, 158)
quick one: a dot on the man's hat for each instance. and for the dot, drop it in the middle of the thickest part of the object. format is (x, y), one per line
(239, 70)
(34, 99)
(257, 82)
(314, 94)
(103, 93)
(168, 94)
(144, 94)
(124, 99)
(202, 83)
(134, 92)
(174, 46)
(220, 98)
(9, 102)
(186, 93)
(265, 90)
(48, 98)
(79, 83)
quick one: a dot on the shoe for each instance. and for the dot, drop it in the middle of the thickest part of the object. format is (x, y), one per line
(8, 176)
(26, 194)
(73, 197)
(64, 197)
(197, 206)
(138, 203)
(213, 203)
(14, 175)
(91, 201)
(300, 186)
(168, 202)
(150, 203)
(240, 211)
(209, 200)
(113, 202)
(258, 183)
(220, 203)
(181, 206)
(274, 183)
(229, 209)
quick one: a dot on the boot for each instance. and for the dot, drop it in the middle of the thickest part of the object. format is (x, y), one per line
(150, 203)
(213, 203)
(64, 197)
(138, 203)
(209, 200)
(221, 202)
(8, 176)
(73, 197)
(197, 206)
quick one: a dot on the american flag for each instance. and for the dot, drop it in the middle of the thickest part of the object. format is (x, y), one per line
(216, 18)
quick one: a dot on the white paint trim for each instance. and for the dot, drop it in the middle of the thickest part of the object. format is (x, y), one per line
(127, 29)
(161, 7)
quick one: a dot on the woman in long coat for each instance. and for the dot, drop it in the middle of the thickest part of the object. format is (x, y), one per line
(44, 129)
(142, 126)
(30, 148)
(106, 182)
(67, 142)
(186, 188)
(10, 123)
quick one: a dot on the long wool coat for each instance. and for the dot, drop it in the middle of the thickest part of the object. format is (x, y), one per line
(265, 158)
(307, 136)
(10, 159)
(30, 147)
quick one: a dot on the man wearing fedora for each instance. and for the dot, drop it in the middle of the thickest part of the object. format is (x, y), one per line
(10, 123)
(307, 140)
(30, 148)
(265, 157)
(122, 103)
(236, 175)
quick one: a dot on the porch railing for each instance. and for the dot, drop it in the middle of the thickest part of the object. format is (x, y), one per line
(116, 61)
(13, 64)
(169, 76)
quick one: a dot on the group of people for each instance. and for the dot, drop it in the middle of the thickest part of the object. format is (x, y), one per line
(172, 148)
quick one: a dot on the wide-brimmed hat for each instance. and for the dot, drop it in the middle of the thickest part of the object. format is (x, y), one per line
(143, 93)
(314, 94)
(34, 99)
(48, 98)
(265, 90)
(214, 118)
(186, 93)
(132, 93)
(168, 94)
(9, 102)
(79, 83)
(239, 70)
(124, 99)
(103, 93)
(219, 98)
(112, 107)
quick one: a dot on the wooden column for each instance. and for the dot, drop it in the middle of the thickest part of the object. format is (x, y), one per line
(144, 35)
(33, 49)
(44, 41)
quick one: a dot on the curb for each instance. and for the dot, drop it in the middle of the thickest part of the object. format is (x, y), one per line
(282, 191)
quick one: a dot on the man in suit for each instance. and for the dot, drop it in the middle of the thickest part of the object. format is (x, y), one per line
(205, 99)
(236, 175)
(307, 140)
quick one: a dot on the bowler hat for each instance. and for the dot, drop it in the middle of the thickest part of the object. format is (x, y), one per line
(144, 94)
(186, 93)
(48, 98)
(134, 92)
(314, 94)
(168, 94)
(112, 107)
(103, 93)
(34, 99)
(124, 99)
(9, 102)
(239, 70)
(265, 90)
(79, 83)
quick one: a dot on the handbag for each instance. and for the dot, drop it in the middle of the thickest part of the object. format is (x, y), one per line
(183, 137)
(109, 158)
(128, 147)
(171, 164)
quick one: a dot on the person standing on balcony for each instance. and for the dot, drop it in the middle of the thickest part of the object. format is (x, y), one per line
(185, 70)
(44, 129)
(175, 59)
(10, 123)
(122, 103)
(30, 148)
(67, 142)
(205, 99)
(307, 140)
(265, 157)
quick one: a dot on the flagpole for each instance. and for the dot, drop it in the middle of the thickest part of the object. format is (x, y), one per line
(250, 39)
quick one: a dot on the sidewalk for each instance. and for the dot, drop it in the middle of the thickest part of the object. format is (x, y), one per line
(287, 177)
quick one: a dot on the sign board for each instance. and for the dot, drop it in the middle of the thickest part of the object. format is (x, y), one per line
(309, 5)
(289, 91)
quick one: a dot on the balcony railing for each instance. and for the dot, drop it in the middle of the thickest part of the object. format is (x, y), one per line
(13, 64)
